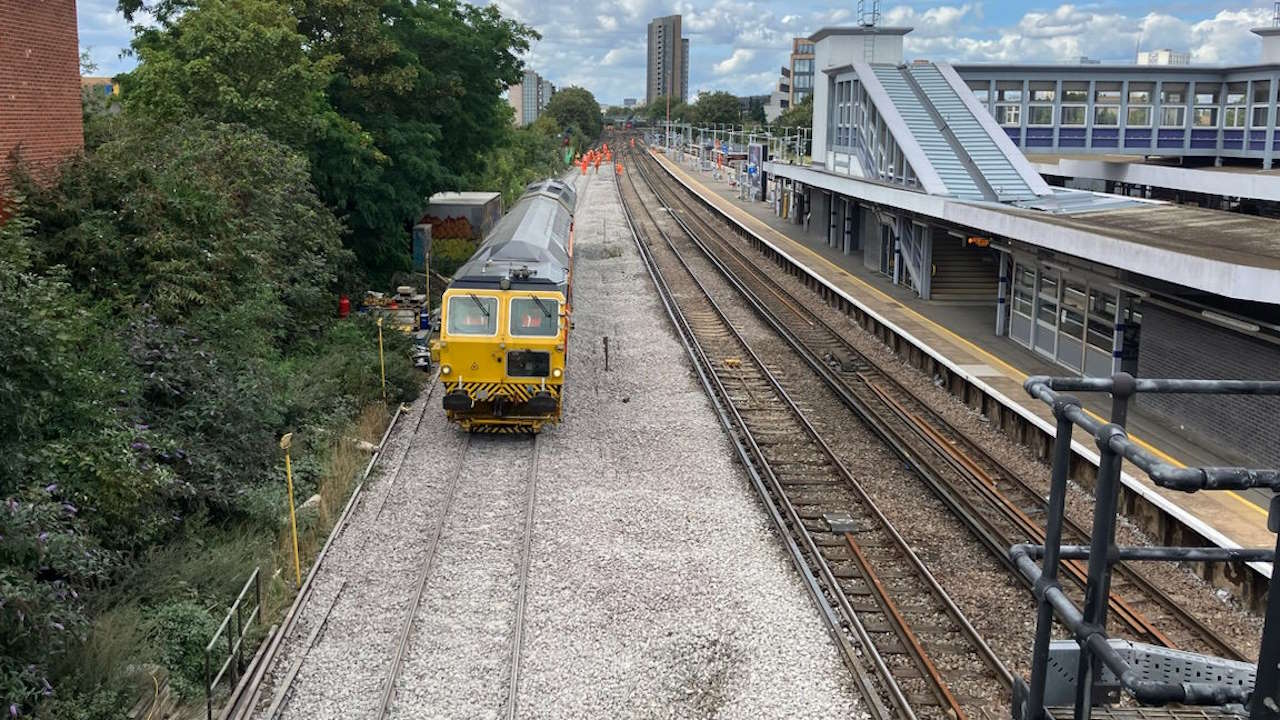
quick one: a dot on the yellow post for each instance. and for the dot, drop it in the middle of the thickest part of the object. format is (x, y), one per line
(285, 442)
(382, 362)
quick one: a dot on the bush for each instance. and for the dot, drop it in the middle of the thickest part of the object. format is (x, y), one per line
(180, 632)
(449, 254)
(165, 316)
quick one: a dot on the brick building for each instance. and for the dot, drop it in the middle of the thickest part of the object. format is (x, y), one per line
(40, 96)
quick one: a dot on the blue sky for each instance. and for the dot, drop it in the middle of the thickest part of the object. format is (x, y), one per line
(738, 45)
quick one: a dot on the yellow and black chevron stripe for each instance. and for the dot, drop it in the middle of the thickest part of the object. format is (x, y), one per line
(517, 392)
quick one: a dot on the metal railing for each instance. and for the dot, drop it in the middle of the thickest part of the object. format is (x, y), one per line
(1104, 666)
(235, 627)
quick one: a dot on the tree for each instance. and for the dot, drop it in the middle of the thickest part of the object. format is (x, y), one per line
(756, 112)
(799, 115)
(379, 93)
(576, 107)
(240, 61)
(656, 111)
(423, 80)
(717, 107)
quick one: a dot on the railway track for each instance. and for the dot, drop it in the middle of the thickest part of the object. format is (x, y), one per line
(390, 699)
(910, 650)
(999, 507)
(391, 687)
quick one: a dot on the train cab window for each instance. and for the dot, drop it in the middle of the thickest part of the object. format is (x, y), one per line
(472, 314)
(534, 317)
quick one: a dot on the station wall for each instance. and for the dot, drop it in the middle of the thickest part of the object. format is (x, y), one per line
(1176, 345)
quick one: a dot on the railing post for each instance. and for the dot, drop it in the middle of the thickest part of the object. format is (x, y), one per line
(1098, 589)
(1265, 702)
(1052, 548)
(208, 687)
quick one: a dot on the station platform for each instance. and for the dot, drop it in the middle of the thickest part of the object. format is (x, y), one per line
(960, 335)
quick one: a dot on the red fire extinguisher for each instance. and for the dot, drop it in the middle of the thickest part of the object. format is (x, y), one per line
(344, 306)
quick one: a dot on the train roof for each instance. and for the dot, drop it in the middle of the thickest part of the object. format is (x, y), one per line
(529, 245)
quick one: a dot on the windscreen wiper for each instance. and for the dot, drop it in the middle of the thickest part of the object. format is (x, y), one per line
(541, 306)
(484, 310)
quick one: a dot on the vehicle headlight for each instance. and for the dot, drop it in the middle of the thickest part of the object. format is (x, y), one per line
(557, 373)
(445, 369)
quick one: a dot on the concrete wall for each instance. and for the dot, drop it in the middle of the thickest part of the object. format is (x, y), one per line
(40, 117)
(1175, 345)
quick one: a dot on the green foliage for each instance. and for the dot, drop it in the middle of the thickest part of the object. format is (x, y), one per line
(449, 254)
(656, 111)
(166, 308)
(423, 80)
(180, 631)
(797, 116)
(717, 107)
(525, 155)
(574, 107)
(165, 314)
(237, 61)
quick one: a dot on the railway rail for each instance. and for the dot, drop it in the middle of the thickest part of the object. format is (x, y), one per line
(911, 651)
(388, 696)
(1000, 507)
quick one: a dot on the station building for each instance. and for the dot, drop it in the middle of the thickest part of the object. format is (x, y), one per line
(1098, 217)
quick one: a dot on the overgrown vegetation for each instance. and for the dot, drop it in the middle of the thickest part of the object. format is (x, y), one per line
(167, 313)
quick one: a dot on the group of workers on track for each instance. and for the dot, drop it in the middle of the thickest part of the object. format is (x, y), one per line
(595, 156)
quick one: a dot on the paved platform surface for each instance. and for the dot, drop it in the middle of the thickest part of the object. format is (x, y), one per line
(963, 334)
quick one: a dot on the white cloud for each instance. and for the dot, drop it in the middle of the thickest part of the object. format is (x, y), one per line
(735, 62)
(739, 46)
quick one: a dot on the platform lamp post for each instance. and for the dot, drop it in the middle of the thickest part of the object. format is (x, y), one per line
(285, 443)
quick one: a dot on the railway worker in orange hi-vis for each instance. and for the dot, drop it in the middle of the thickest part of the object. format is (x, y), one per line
(618, 168)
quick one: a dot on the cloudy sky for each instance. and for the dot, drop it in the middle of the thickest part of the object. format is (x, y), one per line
(738, 45)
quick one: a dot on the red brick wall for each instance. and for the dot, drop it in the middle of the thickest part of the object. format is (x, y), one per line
(40, 107)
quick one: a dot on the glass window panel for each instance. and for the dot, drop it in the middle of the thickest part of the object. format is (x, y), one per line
(1235, 93)
(981, 89)
(1071, 323)
(1207, 94)
(1075, 91)
(1099, 335)
(1261, 91)
(1040, 115)
(1073, 114)
(1140, 92)
(1140, 116)
(1260, 115)
(1106, 115)
(1009, 91)
(1205, 117)
(1173, 93)
(1048, 286)
(1022, 303)
(1048, 312)
(1173, 116)
(1073, 295)
(534, 318)
(473, 315)
(1233, 117)
(1009, 114)
(1106, 92)
(1025, 277)
(1102, 303)
(1042, 91)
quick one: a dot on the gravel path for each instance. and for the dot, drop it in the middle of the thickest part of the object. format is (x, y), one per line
(656, 588)
(459, 652)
